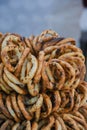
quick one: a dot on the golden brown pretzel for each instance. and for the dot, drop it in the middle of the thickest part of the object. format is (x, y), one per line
(42, 83)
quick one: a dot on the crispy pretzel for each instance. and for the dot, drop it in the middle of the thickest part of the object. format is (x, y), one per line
(42, 83)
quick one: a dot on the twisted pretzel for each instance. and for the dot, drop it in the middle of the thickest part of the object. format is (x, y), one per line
(42, 83)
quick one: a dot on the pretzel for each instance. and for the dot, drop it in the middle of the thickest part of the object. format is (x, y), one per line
(57, 125)
(48, 104)
(67, 99)
(67, 40)
(13, 78)
(3, 108)
(37, 105)
(83, 122)
(34, 126)
(6, 124)
(49, 126)
(55, 99)
(33, 89)
(21, 61)
(47, 35)
(31, 101)
(83, 90)
(15, 126)
(61, 74)
(77, 101)
(42, 83)
(77, 64)
(28, 43)
(37, 114)
(51, 42)
(55, 121)
(64, 49)
(25, 113)
(11, 37)
(69, 70)
(15, 106)
(40, 64)
(74, 54)
(27, 125)
(11, 111)
(83, 111)
(5, 57)
(60, 50)
(70, 121)
(32, 70)
(60, 120)
(43, 124)
(14, 86)
(46, 83)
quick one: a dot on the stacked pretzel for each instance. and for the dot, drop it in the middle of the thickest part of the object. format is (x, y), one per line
(42, 83)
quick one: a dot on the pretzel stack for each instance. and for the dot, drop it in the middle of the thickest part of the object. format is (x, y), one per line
(42, 83)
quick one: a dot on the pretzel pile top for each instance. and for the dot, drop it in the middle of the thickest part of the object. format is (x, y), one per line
(42, 83)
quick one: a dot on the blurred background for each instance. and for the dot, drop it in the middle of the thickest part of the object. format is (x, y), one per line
(32, 16)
